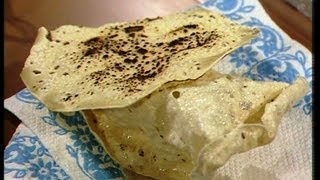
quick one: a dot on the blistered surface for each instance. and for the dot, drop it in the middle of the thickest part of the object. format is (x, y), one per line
(115, 65)
(194, 126)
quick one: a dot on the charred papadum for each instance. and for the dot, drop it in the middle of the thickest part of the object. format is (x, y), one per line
(192, 128)
(74, 68)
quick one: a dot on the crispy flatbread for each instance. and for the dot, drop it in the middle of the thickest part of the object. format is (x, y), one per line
(74, 68)
(192, 128)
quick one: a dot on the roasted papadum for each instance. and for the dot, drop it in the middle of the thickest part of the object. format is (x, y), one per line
(192, 128)
(74, 68)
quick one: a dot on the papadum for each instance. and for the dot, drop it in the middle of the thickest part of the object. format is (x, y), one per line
(74, 68)
(190, 129)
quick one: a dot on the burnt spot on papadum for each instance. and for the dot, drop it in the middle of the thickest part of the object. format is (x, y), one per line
(191, 26)
(49, 36)
(123, 147)
(243, 135)
(154, 157)
(152, 19)
(141, 152)
(36, 72)
(133, 29)
(67, 97)
(176, 94)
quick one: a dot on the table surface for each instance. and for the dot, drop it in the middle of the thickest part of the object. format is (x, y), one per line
(23, 18)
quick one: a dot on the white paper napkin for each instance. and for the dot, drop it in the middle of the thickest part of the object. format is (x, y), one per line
(72, 152)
